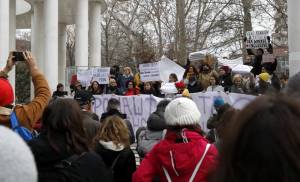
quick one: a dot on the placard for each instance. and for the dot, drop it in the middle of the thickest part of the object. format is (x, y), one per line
(257, 39)
(150, 72)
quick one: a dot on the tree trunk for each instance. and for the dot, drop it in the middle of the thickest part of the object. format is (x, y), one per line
(247, 5)
(181, 58)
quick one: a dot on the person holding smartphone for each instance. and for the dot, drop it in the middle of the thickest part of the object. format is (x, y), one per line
(27, 114)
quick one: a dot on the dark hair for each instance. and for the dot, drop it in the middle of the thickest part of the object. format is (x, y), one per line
(100, 88)
(179, 129)
(263, 143)
(113, 104)
(163, 104)
(130, 81)
(63, 126)
(187, 70)
(59, 86)
(174, 76)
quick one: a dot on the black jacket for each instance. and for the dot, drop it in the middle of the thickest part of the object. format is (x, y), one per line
(89, 167)
(91, 124)
(125, 165)
(226, 82)
(195, 87)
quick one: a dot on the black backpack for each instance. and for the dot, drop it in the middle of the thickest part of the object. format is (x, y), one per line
(87, 167)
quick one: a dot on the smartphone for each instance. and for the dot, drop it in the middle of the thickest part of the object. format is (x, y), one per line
(18, 56)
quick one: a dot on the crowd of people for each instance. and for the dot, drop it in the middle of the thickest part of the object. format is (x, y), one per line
(207, 77)
(61, 139)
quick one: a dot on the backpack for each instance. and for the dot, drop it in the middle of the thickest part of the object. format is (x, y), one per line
(146, 141)
(26, 134)
(86, 167)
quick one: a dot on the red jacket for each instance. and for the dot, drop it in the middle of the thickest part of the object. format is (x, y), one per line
(131, 92)
(183, 156)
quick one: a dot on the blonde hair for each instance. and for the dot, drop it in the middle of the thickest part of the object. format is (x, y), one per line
(113, 129)
(236, 77)
(129, 69)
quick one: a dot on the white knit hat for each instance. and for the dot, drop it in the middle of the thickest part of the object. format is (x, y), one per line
(181, 112)
(16, 160)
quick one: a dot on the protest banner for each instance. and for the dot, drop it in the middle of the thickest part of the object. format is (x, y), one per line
(149, 72)
(268, 58)
(101, 75)
(139, 108)
(257, 39)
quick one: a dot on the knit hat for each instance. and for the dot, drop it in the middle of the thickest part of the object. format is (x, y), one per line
(264, 76)
(218, 102)
(6, 92)
(181, 112)
(84, 97)
(17, 162)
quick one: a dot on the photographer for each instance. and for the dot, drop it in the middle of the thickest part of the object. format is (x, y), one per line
(27, 114)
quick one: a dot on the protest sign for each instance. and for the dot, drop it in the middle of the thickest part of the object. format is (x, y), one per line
(149, 72)
(84, 75)
(101, 75)
(167, 66)
(139, 108)
(257, 39)
(268, 58)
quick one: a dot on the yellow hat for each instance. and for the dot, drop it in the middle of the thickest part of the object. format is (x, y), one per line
(186, 93)
(264, 76)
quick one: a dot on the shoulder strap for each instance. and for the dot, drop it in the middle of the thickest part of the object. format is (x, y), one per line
(199, 163)
(14, 120)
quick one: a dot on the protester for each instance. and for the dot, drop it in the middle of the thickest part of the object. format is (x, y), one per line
(148, 89)
(113, 145)
(184, 154)
(61, 150)
(125, 78)
(205, 73)
(91, 121)
(225, 78)
(238, 85)
(96, 88)
(113, 109)
(78, 86)
(264, 86)
(59, 91)
(137, 79)
(190, 71)
(27, 114)
(16, 162)
(173, 78)
(113, 87)
(131, 89)
(156, 124)
(262, 143)
(214, 85)
(193, 85)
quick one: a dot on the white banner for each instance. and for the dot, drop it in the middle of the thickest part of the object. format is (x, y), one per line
(149, 72)
(138, 108)
(257, 39)
(268, 58)
(84, 75)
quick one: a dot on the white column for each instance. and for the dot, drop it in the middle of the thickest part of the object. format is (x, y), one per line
(95, 34)
(62, 38)
(51, 42)
(294, 36)
(82, 30)
(4, 32)
(38, 34)
(12, 38)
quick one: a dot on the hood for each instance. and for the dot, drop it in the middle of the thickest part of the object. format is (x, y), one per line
(111, 146)
(180, 159)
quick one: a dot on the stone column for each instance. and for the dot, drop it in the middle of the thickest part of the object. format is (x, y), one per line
(51, 42)
(294, 36)
(38, 34)
(82, 30)
(4, 32)
(95, 34)
(62, 38)
(12, 38)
